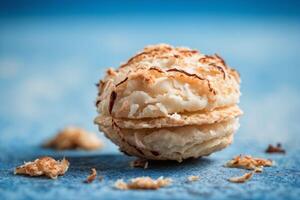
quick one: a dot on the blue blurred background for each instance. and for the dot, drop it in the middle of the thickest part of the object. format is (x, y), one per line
(53, 52)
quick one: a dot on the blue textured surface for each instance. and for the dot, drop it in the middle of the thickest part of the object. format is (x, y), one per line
(278, 182)
(51, 55)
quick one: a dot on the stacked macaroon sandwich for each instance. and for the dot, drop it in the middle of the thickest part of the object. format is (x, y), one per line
(170, 103)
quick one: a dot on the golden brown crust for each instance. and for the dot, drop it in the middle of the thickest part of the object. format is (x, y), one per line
(46, 166)
(164, 51)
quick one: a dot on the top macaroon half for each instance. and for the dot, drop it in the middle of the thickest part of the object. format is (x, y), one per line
(165, 81)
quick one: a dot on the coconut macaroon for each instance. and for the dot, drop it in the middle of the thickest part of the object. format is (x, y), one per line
(168, 103)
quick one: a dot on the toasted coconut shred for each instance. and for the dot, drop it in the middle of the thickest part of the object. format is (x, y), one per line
(141, 163)
(44, 166)
(156, 69)
(211, 89)
(143, 183)
(250, 163)
(122, 82)
(241, 179)
(186, 73)
(193, 178)
(275, 149)
(92, 176)
(112, 99)
(74, 138)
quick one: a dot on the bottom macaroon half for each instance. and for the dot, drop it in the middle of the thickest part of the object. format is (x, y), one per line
(173, 143)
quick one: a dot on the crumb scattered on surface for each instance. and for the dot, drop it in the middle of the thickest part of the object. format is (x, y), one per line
(143, 183)
(275, 149)
(46, 166)
(249, 162)
(193, 178)
(241, 179)
(121, 185)
(92, 176)
(259, 169)
(141, 163)
(74, 138)
(148, 183)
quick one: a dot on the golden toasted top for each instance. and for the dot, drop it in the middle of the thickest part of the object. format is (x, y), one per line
(165, 70)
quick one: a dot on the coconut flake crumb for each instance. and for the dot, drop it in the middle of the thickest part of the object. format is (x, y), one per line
(46, 166)
(143, 183)
(275, 149)
(193, 178)
(92, 176)
(141, 163)
(121, 185)
(241, 179)
(74, 138)
(250, 163)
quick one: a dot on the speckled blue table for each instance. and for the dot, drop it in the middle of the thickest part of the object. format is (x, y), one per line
(279, 182)
(51, 56)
